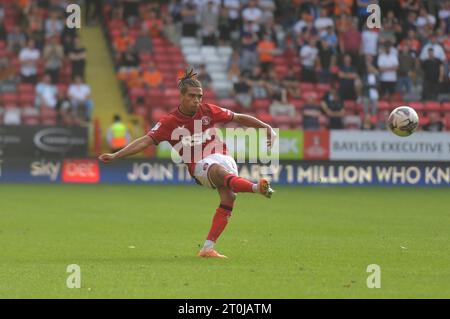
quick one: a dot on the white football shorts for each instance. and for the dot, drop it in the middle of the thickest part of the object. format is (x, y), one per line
(202, 167)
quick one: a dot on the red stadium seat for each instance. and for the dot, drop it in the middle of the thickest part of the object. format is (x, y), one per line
(10, 100)
(446, 121)
(25, 88)
(280, 60)
(31, 120)
(174, 50)
(446, 106)
(145, 57)
(281, 70)
(418, 106)
(432, 106)
(171, 93)
(158, 114)
(283, 120)
(155, 98)
(48, 112)
(230, 104)
(140, 109)
(171, 103)
(164, 66)
(62, 88)
(261, 104)
(155, 93)
(298, 103)
(423, 120)
(323, 87)
(136, 93)
(209, 94)
(265, 117)
(306, 87)
(50, 121)
(159, 42)
(26, 99)
(385, 106)
(350, 105)
(177, 61)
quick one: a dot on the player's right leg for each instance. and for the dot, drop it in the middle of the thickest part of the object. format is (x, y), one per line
(221, 177)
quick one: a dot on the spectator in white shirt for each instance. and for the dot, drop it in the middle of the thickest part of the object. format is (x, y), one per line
(29, 57)
(308, 57)
(425, 18)
(80, 97)
(304, 24)
(388, 65)
(437, 49)
(252, 12)
(234, 13)
(12, 116)
(369, 42)
(209, 17)
(444, 11)
(203, 3)
(268, 7)
(54, 25)
(322, 22)
(46, 93)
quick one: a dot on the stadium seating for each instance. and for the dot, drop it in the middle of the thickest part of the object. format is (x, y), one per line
(171, 59)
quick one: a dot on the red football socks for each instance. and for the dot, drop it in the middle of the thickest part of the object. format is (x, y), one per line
(220, 221)
(238, 184)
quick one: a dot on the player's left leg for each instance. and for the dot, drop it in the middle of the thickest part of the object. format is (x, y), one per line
(220, 221)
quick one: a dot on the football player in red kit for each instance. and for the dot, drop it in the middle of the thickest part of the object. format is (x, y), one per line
(190, 130)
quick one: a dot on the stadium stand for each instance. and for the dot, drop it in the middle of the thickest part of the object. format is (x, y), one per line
(264, 49)
(34, 41)
(296, 47)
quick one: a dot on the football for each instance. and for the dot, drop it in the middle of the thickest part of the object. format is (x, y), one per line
(403, 121)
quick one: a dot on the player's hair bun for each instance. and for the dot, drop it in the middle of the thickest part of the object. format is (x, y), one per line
(188, 75)
(189, 79)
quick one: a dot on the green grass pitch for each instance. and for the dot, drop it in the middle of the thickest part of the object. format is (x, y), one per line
(142, 241)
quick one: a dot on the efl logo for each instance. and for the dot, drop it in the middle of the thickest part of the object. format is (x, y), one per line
(80, 171)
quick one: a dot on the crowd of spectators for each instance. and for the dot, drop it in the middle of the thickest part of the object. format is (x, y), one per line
(42, 66)
(284, 50)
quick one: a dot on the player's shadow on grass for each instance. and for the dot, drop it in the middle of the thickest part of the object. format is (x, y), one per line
(166, 259)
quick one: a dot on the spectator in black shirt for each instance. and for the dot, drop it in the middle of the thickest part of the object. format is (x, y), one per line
(327, 61)
(129, 58)
(311, 113)
(242, 91)
(77, 56)
(334, 109)
(131, 10)
(93, 10)
(347, 77)
(204, 77)
(189, 19)
(433, 75)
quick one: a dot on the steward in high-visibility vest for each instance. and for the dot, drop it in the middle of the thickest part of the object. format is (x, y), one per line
(118, 136)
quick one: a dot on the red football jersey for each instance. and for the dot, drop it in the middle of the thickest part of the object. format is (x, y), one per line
(193, 137)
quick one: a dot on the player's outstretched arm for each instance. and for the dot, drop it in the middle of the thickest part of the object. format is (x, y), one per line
(250, 121)
(134, 147)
